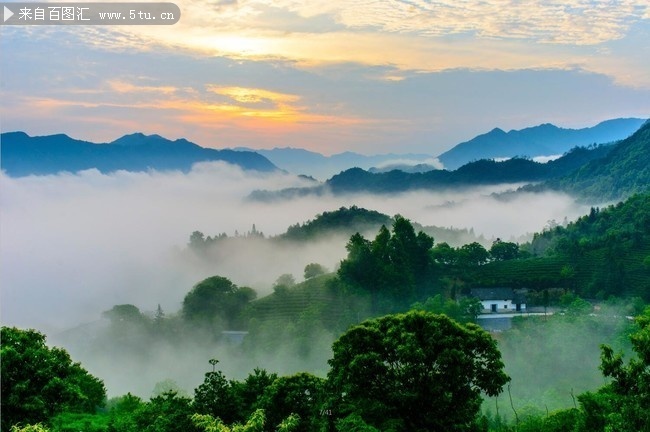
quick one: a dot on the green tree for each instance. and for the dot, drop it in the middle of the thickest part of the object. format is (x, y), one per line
(215, 303)
(301, 394)
(473, 254)
(165, 413)
(314, 269)
(630, 386)
(255, 423)
(359, 270)
(30, 428)
(39, 382)
(75, 422)
(197, 241)
(252, 388)
(285, 280)
(465, 310)
(290, 424)
(502, 251)
(125, 314)
(444, 254)
(167, 386)
(395, 268)
(207, 423)
(354, 423)
(414, 372)
(122, 411)
(218, 397)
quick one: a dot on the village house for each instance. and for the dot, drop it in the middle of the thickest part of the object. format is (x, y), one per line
(500, 300)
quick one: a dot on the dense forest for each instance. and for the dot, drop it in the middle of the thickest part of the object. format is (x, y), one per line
(345, 221)
(622, 172)
(389, 337)
(417, 371)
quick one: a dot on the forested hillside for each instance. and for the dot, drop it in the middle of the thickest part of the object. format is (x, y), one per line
(481, 172)
(344, 221)
(385, 312)
(606, 252)
(619, 174)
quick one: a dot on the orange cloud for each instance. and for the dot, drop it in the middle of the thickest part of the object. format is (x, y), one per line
(125, 87)
(252, 95)
(282, 117)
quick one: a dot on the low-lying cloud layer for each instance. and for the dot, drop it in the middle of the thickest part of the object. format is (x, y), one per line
(74, 245)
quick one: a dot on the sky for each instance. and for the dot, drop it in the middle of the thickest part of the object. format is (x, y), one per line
(331, 76)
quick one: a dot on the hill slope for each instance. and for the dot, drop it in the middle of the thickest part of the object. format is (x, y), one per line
(623, 172)
(542, 140)
(606, 252)
(24, 155)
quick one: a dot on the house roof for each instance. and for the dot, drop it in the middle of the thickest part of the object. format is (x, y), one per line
(520, 297)
(493, 293)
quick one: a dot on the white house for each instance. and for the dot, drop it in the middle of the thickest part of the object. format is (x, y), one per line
(500, 300)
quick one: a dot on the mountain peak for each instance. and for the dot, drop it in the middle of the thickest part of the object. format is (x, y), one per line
(543, 140)
(15, 135)
(138, 139)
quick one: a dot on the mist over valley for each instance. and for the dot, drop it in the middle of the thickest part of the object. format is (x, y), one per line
(99, 239)
(106, 264)
(281, 216)
(75, 245)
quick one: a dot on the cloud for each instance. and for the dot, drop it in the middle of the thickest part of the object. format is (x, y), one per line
(252, 95)
(74, 245)
(328, 109)
(411, 35)
(574, 22)
(125, 87)
(545, 159)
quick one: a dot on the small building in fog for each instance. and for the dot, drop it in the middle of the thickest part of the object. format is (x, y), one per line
(234, 337)
(500, 300)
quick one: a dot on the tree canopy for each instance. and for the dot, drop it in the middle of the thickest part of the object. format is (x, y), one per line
(39, 382)
(623, 404)
(395, 267)
(216, 302)
(414, 372)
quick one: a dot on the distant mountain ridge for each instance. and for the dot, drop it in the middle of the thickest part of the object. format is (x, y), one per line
(301, 161)
(23, 155)
(542, 140)
(482, 172)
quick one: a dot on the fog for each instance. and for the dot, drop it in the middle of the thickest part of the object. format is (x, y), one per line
(74, 245)
(549, 359)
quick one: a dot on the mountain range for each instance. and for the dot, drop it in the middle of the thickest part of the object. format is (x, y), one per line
(23, 155)
(300, 161)
(599, 173)
(538, 141)
(482, 172)
(542, 140)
